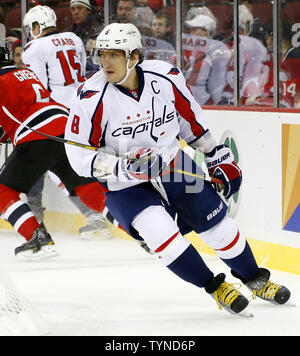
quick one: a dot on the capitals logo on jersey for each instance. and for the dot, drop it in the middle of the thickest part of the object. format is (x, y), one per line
(85, 94)
(174, 71)
(27, 47)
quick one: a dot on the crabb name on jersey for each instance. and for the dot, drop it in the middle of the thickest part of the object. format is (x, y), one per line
(194, 42)
(144, 126)
(63, 42)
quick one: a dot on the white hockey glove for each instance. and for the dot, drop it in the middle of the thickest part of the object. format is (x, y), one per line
(221, 165)
(143, 164)
(104, 165)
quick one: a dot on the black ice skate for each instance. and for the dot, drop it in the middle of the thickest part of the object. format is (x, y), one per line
(40, 246)
(263, 288)
(227, 296)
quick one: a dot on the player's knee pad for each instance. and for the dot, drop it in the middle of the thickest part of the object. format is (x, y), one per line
(225, 239)
(92, 195)
(161, 233)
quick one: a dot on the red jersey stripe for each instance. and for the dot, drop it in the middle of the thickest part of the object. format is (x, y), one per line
(96, 126)
(183, 106)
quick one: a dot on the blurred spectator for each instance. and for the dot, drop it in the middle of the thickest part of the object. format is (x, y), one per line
(262, 32)
(205, 60)
(17, 53)
(2, 14)
(144, 13)
(13, 36)
(126, 12)
(252, 59)
(194, 11)
(161, 27)
(159, 44)
(87, 27)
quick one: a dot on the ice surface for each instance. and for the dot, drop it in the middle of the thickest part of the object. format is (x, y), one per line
(113, 287)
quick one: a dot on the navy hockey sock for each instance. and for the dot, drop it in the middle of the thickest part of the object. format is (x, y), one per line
(190, 267)
(244, 264)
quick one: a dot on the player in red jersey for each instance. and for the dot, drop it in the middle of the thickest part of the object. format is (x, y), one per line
(22, 96)
(289, 73)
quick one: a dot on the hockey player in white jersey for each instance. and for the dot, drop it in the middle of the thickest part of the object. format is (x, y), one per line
(205, 60)
(59, 61)
(252, 64)
(129, 111)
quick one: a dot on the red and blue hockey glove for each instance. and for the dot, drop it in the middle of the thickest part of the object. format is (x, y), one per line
(221, 165)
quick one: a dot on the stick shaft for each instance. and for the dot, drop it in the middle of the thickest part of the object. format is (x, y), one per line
(204, 177)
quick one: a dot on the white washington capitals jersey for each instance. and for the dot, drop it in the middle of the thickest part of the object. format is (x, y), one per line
(59, 61)
(155, 48)
(253, 69)
(106, 115)
(205, 65)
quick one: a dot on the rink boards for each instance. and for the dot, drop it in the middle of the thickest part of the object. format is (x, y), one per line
(267, 209)
(266, 145)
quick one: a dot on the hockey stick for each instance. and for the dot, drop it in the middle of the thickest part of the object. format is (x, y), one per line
(204, 177)
(78, 144)
(55, 138)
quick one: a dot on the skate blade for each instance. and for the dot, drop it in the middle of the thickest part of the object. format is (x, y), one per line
(245, 314)
(289, 303)
(102, 234)
(45, 252)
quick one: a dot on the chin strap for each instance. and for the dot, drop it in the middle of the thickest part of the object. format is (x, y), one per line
(128, 71)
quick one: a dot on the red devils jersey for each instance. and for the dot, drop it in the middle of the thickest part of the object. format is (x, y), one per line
(289, 82)
(23, 97)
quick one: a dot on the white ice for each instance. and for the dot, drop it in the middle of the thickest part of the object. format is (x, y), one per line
(113, 287)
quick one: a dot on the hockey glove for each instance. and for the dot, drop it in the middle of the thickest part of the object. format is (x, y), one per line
(142, 164)
(221, 165)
